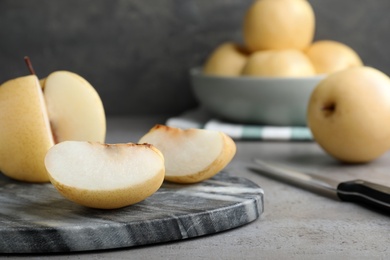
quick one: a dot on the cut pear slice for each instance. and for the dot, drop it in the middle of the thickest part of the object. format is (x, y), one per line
(25, 134)
(191, 155)
(75, 109)
(105, 176)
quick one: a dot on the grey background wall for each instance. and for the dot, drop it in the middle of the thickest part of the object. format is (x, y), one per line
(137, 53)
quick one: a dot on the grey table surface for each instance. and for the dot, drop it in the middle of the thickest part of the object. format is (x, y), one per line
(296, 224)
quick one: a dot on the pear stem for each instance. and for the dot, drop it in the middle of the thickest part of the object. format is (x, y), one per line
(29, 65)
(329, 109)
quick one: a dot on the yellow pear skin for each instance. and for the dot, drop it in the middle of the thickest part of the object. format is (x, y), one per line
(278, 25)
(227, 59)
(25, 130)
(348, 114)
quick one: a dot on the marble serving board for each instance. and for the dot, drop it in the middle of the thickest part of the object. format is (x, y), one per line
(35, 218)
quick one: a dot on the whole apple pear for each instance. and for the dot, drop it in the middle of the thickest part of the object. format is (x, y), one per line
(330, 56)
(278, 63)
(349, 114)
(227, 59)
(278, 25)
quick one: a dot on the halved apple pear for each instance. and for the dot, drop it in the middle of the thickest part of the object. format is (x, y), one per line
(191, 155)
(75, 109)
(105, 176)
(25, 134)
(37, 114)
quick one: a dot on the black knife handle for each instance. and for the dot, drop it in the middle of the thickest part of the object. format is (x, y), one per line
(367, 193)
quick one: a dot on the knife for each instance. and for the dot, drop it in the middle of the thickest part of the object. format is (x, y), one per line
(366, 193)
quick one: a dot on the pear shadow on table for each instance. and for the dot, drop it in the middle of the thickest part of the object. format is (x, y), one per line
(321, 163)
(312, 160)
(318, 160)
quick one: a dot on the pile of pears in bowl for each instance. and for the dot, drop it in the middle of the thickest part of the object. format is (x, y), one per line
(281, 76)
(268, 79)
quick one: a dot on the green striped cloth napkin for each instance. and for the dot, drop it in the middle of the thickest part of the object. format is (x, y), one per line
(199, 118)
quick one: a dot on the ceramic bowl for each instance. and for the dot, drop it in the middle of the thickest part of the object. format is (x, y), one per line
(255, 100)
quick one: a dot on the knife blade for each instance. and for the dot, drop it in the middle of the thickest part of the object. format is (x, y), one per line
(372, 195)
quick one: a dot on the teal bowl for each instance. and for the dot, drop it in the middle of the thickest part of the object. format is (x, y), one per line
(274, 101)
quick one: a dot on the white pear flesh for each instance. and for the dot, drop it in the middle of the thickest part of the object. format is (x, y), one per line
(191, 155)
(25, 134)
(75, 109)
(348, 114)
(105, 176)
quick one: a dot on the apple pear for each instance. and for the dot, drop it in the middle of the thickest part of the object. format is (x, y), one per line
(25, 133)
(191, 155)
(278, 63)
(228, 59)
(279, 24)
(349, 114)
(34, 117)
(330, 56)
(105, 176)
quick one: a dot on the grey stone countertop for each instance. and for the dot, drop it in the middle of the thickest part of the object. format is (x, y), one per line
(296, 224)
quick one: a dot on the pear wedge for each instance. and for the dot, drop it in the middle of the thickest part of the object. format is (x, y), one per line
(75, 109)
(191, 155)
(105, 176)
(25, 133)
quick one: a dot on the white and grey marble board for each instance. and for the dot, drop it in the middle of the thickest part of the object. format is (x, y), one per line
(35, 218)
